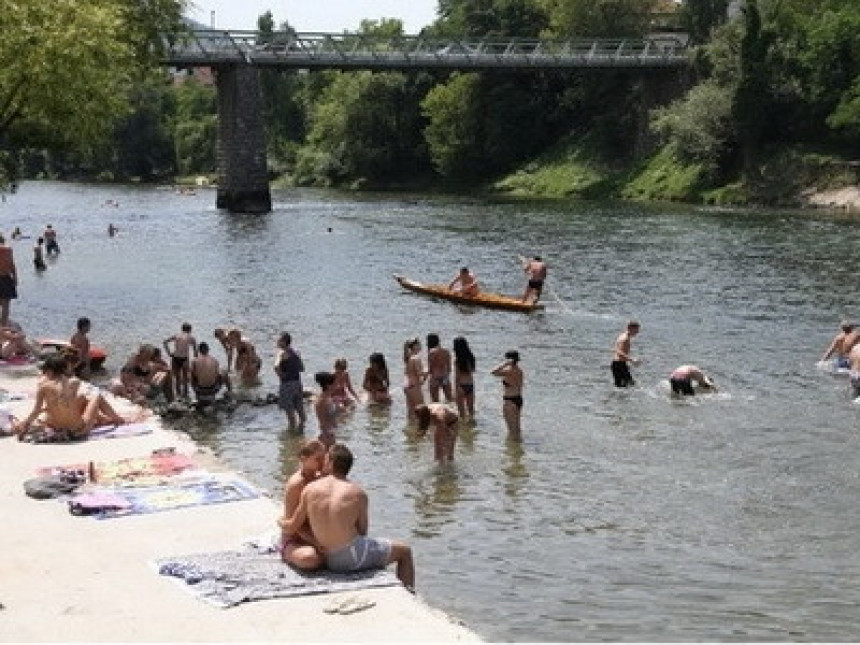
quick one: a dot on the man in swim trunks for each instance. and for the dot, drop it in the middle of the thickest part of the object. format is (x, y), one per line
(289, 367)
(336, 509)
(685, 376)
(183, 345)
(465, 283)
(536, 270)
(621, 356)
(438, 369)
(299, 548)
(8, 281)
(206, 376)
(841, 345)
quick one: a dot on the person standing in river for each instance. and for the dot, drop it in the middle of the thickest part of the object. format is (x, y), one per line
(289, 367)
(438, 369)
(621, 356)
(50, 237)
(512, 393)
(8, 281)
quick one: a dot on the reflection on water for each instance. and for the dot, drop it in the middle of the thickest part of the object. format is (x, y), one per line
(623, 515)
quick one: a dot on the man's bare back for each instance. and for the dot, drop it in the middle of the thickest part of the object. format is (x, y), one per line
(336, 511)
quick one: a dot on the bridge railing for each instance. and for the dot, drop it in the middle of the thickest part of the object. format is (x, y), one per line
(344, 51)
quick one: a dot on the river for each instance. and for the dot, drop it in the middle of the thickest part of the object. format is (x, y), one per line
(624, 515)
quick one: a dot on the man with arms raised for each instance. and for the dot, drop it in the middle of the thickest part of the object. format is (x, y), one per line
(299, 548)
(336, 510)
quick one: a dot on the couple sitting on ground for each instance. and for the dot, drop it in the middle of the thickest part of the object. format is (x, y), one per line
(325, 519)
(62, 408)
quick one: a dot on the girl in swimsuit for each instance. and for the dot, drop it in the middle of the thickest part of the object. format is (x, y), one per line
(376, 379)
(414, 371)
(464, 370)
(326, 408)
(342, 391)
(512, 398)
(444, 423)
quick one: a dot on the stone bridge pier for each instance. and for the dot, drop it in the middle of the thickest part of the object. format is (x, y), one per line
(243, 183)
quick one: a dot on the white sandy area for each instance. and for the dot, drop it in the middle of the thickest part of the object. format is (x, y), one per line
(67, 578)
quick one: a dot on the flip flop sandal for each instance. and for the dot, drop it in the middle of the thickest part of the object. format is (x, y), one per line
(354, 605)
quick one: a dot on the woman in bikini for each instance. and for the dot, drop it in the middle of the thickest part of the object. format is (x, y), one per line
(414, 371)
(326, 408)
(63, 407)
(464, 377)
(512, 397)
(444, 422)
(376, 379)
(342, 391)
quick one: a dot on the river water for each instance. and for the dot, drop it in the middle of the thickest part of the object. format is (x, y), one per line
(624, 515)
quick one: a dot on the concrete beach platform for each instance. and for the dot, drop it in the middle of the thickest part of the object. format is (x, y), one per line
(68, 578)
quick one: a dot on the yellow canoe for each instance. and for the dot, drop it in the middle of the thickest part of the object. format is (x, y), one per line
(483, 299)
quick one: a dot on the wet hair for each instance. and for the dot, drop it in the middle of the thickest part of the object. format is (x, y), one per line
(847, 326)
(424, 416)
(324, 379)
(464, 269)
(219, 333)
(286, 339)
(233, 333)
(186, 327)
(341, 459)
(83, 322)
(378, 360)
(432, 341)
(464, 359)
(311, 447)
(203, 348)
(147, 349)
(633, 324)
(55, 364)
(340, 364)
(513, 355)
(407, 348)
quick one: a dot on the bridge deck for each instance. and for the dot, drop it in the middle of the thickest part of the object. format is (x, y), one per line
(352, 51)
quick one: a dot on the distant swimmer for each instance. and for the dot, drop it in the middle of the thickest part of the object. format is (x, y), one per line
(50, 236)
(39, 255)
(465, 283)
(536, 271)
(112, 230)
(17, 234)
(621, 356)
(841, 345)
(684, 377)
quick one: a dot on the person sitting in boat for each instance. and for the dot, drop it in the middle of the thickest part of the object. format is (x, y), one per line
(841, 345)
(63, 407)
(207, 379)
(465, 283)
(684, 377)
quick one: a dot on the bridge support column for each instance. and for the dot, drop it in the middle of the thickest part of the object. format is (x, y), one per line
(243, 184)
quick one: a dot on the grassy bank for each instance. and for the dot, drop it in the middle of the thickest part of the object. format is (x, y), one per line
(786, 176)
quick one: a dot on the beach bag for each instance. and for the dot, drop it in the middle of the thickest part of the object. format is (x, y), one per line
(53, 486)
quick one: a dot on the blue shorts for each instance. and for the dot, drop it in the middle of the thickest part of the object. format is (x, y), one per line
(290, 396)
(362, 553)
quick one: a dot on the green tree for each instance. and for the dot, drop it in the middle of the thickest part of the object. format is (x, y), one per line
(700, 17)
(599, 18)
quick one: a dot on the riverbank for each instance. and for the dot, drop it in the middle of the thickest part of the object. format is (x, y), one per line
(68, 578)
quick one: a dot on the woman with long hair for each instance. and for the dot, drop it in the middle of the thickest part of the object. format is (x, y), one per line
(512, 393)
(464, 377)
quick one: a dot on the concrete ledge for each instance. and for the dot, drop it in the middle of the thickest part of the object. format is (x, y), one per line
(67, 578)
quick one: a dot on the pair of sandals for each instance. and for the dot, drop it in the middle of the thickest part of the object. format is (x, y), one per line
(348, 605)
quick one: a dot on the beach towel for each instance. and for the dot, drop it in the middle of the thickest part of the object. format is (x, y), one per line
(228, 578)
(167, 497)
(158, 468)
(53, 435)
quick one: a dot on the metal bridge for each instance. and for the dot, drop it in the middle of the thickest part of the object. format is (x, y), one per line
(346, 51)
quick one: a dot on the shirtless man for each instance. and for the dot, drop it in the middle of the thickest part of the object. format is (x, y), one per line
(438, 369)
(64, 407)
(465, 282)
(299, 548)
(14, 343)
(536, 270)
(81, 344)
(444, 421)
(183, 345)
(8, 281)
(841, 345)
(685, 376)
(621, 356)
(206, 376)
(336, 510)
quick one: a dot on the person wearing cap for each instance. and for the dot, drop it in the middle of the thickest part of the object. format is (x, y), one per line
(684, 377)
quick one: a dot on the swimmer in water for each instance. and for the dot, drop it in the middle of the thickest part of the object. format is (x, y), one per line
(684, 377)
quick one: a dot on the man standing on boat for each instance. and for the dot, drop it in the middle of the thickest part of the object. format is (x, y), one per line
(465, 283)
(535, 269)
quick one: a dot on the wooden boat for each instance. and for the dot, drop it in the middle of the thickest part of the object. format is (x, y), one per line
(483, 299)
(97, 354)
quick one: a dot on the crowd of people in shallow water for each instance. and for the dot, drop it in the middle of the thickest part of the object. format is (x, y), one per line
(439, 393)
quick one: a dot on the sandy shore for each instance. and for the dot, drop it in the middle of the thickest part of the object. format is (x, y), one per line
(67, 578)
